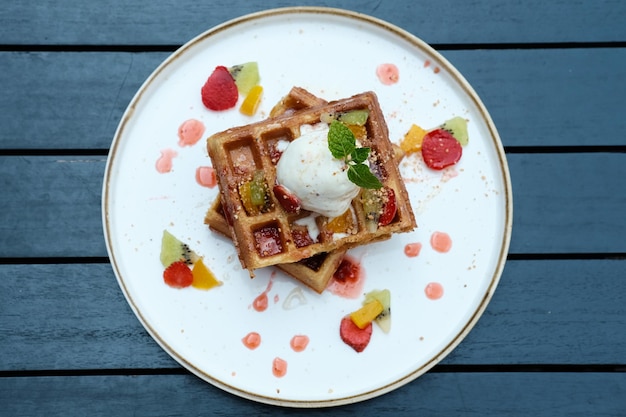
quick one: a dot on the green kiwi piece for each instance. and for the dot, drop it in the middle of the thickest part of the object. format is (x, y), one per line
(173, 250)
(354, 117)
(246, 76)
(457, 126)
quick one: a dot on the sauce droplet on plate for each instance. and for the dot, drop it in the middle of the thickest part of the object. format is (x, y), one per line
(441, 242)
(412, 249)
(279, 367)
(388, 74)
(252, 340)
(190, 132)
(299, 342)
(261, 302)
(348, 280)
(433, 291)
(205, 176)
(164, 163)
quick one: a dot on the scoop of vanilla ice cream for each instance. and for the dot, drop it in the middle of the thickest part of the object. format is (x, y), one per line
(308, 170)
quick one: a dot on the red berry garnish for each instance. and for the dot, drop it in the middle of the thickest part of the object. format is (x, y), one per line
(220, 91)
(356, 338)
(389, 207)
(178, 275)
(268, 241)
(301, 236)
(440, 149)
(289, 201)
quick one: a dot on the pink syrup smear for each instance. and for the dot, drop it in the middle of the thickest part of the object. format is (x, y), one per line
(261, 302)
(279, 367)
(412, 250)
(190, 132)
(205, 176)
(388, 74)
(299, 342)
(164, 163)
(348, 280)
(252, 340)
(433, 291)
(441, 242)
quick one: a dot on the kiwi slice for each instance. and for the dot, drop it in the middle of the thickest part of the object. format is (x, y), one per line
(383, 320)
(457, 126)
(354, 117)
(246, 76)
(173, 250)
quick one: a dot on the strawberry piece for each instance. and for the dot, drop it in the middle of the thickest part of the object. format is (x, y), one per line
(288, 200)
(178, 275)
(268, 241)
(300, 236)
(389, 207)
(220, 91)
(440, 149)
(356, 338)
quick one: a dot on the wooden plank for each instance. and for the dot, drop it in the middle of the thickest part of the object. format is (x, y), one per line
(68, 100)
(564, 203)
(74, 317)
(81, 96)
(476, 21)
(459, 394)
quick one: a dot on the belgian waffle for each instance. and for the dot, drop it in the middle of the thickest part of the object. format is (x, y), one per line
(273, 236)
(315, 272)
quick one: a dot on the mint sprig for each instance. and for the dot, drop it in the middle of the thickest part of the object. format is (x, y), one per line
(342, 145)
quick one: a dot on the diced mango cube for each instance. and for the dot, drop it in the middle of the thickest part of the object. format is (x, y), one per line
(341, 224)
(203, 277)
(359, 132)
(412, 141)
(366, 314)
(252, 100)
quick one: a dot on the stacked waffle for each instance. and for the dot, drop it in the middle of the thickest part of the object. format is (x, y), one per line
(267, 231)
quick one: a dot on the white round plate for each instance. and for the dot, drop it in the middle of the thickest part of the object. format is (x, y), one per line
(333, 54)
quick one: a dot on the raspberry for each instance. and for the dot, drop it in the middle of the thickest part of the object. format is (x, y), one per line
(178, 275)
(220, 91)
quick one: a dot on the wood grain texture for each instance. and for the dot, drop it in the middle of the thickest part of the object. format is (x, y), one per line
(461, 394)
(564, 203)
(145, 22)
(538, 97)
(74, 317)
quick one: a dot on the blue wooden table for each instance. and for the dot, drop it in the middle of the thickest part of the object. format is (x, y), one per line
(551, 342)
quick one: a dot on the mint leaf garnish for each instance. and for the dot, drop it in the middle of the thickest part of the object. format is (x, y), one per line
(342, 145)
(359, 155)
(341, 141)
(361, 175)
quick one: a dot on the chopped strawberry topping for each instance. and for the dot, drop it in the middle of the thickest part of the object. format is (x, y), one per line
(178, 275)
(289, 201)
(440, 149)
(389, 208)
(301, 236)
(220, 91)
(356, 338)
(268, 241)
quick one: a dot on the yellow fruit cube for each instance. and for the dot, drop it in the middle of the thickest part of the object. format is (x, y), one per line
(203, 277)
(252, 100)
(412, 141)
(366, 314)
(341, 224)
